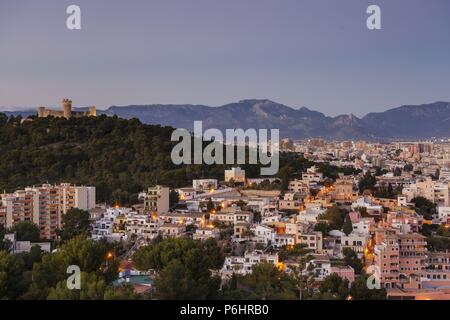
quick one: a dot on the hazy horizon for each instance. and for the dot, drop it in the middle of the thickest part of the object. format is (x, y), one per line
(312, 53)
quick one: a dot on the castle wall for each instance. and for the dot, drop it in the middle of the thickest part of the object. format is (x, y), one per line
(66, 111)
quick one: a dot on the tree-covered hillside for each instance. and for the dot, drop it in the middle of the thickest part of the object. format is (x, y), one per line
(120, 157)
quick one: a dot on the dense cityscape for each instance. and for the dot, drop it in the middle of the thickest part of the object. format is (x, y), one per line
(354, 220)
(224, 159)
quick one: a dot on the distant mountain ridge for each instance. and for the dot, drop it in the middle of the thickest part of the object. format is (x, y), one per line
(405, 122)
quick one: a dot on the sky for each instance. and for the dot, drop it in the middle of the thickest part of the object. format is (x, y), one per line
(313, 53)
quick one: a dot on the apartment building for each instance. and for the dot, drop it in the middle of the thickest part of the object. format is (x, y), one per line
(361, 225)
(262, 234)
(438, 267)
(243, 217)
(403, 221)
(367, 203)
(343, 190)
(156, 199)
(436, 191)
(172, 230)
(283, 240)
(244, 265)
(303, 233)
(223, 216)
(143, 226)
(386, 259)
(290, 201)
(45, 205)
(412, 248)
(104, 226)
(355, 241)
(401, 260)
(312, 175)
(299, 186)
(312, 239)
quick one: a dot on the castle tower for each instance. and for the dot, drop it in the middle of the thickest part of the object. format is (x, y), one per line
(92, 111)
(67, 108)
(41, 112)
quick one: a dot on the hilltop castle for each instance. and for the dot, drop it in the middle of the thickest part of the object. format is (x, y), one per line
(66, 111)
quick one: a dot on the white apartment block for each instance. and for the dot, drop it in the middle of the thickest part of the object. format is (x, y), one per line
(364, 226)
(312, 175)
(283, 240)
(244, 265)
(435, 191)
(103, 227)
(143, 226)
(262, 234)
(365, 202)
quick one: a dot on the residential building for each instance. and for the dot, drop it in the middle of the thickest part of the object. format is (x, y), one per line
(244, 265)
(45, 205)
(312, 174)
(299, 186)
(400, 260)
(355, 241)
(156, 199)
(174, 230)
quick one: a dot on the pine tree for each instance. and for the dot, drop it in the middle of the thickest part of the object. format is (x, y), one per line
(348, 227)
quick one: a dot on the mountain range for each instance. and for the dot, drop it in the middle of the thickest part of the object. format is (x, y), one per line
(405, 122)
